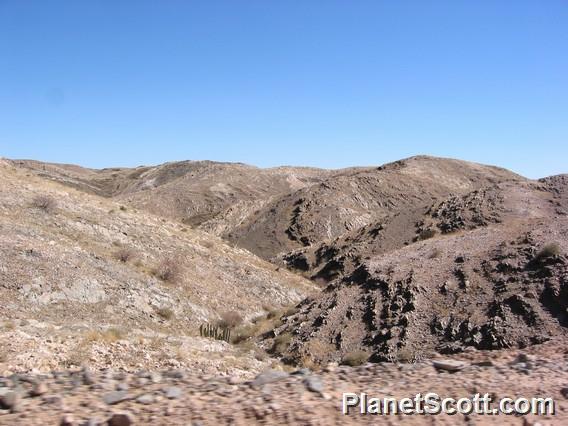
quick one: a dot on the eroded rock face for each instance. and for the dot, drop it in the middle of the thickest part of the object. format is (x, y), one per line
(349, 200)
(497, 203)
(490, 288)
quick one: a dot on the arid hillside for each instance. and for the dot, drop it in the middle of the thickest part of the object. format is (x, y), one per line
(487, 270)
(74, 266)
(353, 198)
(497, 203)
(274, 211)
(217, 195)
(431, 274)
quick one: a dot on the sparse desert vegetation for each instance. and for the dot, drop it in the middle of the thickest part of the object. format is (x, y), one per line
(124, 254)
(426, 234)
(230, 319)
(44, 202)
(168, 270)
(355, 358)
(131, 290)
(548, 250)
(165, 313)
(281, 343)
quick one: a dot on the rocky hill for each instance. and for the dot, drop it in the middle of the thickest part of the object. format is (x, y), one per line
(487, 270)
(489, 205)
(217, 195)
(274, 211)
(351, 199)
(438, 271)
(84, 278)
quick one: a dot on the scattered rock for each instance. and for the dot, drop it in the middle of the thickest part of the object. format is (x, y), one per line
(267, 377)
(486, 363)
(175, 374)
(172, 392)
(170, 410)
(121, 419)
(88, 377)
(155, 377)
(67, 420)
(116, 397)
(145, 399)
(302, 372)
(122, 386)
(9, 400)
(449, 365)
(38, 389)
(331, 367)
(313, 384)
(234, 380)
(52, 399)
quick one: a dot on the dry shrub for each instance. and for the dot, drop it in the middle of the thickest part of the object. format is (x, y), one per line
(168, 270)
(9, 326)
(230, 319)
(317, 352)
(272, 312)
(124, 254)
(259, 326)
(405, 355)
(281, 343)
(244, 334)
(45, 203)
(549, 250)
(77, 358)
(320, 350)
(207, 244)
(426, 234)
(292, 310)
(435, 253)
(355, 358)
(165, 313)
(109, 335)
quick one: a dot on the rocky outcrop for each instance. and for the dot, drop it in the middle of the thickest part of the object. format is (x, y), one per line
(490, 288)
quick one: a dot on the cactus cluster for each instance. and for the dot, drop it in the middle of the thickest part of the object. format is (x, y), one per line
(215, 332)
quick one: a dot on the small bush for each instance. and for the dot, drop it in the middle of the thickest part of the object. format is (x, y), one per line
(123, 208)
(317, 353)
(426, 234)
(549, 250)
(272, 312)
(435, 253)
(405, 356)
(260, 325)
(45, 203)
(292, 310)
(9, 326)
(244, 334)
(168, 270)
(109, 335)
(165, 313)
(124, 254)
(281, 343)
(230, 319)
(355, 358)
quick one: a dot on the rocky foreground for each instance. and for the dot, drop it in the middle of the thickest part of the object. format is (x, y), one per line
(85, 397)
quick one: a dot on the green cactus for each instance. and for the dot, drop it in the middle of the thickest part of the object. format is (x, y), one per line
(215, 332)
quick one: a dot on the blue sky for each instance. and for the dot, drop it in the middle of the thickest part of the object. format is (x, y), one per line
(304, 82)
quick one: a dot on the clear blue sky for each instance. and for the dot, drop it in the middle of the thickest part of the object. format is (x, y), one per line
(324, 83)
